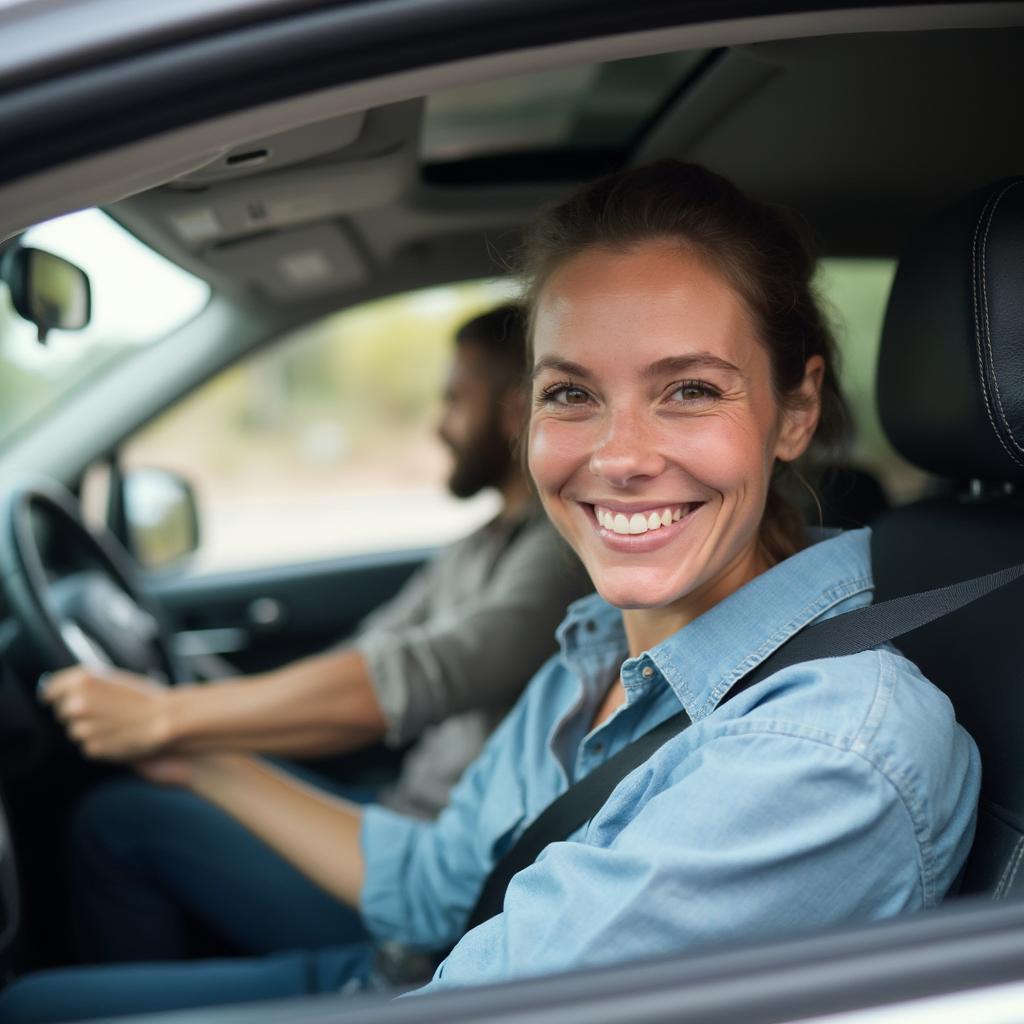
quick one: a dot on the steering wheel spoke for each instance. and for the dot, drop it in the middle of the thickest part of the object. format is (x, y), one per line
(83, 648)
(90, 609)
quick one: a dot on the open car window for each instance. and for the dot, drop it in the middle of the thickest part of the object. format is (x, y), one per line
(855, 291)
(325, 444)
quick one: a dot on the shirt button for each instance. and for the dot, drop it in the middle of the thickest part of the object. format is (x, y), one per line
(647, 672)
(590, 626)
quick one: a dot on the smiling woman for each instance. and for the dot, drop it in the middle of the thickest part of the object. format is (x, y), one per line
(665, 394)
(678, 361)
(635, 433)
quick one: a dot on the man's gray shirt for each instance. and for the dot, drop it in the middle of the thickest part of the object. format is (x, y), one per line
(453, 650)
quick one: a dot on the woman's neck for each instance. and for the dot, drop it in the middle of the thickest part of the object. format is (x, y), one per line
(648, 627)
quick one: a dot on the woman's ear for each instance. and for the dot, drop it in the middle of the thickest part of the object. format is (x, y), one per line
(800, 418)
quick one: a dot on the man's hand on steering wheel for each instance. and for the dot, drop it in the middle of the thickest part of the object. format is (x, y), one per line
(112, 715)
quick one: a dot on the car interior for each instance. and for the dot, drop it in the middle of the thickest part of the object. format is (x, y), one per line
(885, 131)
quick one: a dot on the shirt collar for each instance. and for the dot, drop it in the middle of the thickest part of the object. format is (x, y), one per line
(701, 661)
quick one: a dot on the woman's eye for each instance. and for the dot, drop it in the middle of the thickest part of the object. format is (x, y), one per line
(564, 394)
(573, 396)
(694, 391)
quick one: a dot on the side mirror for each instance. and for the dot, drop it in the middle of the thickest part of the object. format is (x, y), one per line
(161, 517)
(47, 290)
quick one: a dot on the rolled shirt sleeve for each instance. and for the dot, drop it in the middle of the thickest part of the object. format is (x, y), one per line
(423, 878)
(480, 634)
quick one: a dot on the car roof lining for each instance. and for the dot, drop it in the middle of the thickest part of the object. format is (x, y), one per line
(125, 170)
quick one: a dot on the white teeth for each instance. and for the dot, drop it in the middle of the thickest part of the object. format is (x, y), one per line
(639, 522)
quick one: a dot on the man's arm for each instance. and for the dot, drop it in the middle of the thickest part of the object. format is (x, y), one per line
(315, 831)
(321, 705)
(325, 704)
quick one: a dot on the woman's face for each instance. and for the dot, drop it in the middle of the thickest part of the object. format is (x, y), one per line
(655, 426)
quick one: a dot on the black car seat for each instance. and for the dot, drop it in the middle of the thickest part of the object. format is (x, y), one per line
(951, 398)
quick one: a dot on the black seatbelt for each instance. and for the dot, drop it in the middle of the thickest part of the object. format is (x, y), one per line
(860, 630)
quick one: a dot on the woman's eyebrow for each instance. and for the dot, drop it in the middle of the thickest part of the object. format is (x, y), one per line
(570, 369)
(659, 368)
(689, 363)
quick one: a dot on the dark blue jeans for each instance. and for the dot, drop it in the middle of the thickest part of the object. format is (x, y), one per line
(149, 861)
(90, 993)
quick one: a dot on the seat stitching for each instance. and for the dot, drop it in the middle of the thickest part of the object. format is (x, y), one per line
(988, 329)
(1010, 871)
(1013, 874)
(988, 215)
(977, 329)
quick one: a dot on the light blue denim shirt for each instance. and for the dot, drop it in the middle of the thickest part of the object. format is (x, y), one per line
(836, 790)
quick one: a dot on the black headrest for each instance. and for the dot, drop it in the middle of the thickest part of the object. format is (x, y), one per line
(951, 367)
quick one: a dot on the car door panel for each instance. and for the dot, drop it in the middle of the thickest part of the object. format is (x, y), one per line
(257, 619)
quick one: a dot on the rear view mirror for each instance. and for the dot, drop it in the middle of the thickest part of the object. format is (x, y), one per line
(47, 290)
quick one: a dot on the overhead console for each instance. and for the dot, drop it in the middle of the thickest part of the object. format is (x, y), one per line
(267, 215)
(320, 170)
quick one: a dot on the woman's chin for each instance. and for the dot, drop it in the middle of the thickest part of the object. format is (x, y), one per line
(638, 594)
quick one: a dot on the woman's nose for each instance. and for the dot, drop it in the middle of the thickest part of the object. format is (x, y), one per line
(626, 451)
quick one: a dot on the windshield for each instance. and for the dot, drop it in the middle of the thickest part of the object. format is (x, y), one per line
(137, 297)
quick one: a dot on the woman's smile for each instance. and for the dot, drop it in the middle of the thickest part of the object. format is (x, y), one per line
(647, 527)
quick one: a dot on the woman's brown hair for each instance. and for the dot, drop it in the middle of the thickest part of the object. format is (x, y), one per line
(756, 248)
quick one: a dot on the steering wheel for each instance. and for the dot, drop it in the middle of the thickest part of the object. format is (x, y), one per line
(75, 592)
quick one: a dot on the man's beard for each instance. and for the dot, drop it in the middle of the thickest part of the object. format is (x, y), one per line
(482, 463)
